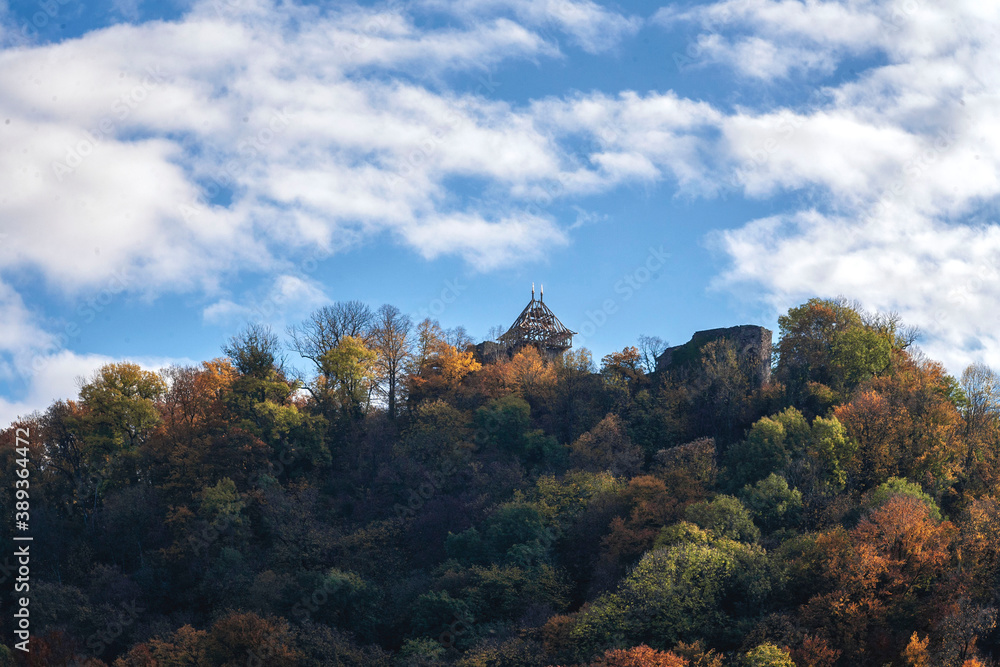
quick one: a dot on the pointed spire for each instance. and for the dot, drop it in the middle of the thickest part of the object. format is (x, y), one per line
(541, 292)
(532, 291)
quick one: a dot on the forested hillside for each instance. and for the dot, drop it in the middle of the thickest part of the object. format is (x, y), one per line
(402, 503)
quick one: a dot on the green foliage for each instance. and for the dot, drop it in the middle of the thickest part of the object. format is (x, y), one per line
(763, 452)
(347, 600)
(724, 517)
(255, 352)
(299, 434)
(438, 431)
(858, 354)
(433, 613)
(514, 533)
(681, 593)
(797, 433)
(563, 499)
(121, 404)
(831, 445)
(767, 655)
(504, 423)
(772, 504)
(222, 505)
(899, 486)
(422, 651)
(513, 524)
(534, 515)
(833, 344)
(682, 532)
(505, 592)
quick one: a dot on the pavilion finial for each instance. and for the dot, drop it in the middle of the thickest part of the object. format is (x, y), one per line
(541, 292)
(532, 291)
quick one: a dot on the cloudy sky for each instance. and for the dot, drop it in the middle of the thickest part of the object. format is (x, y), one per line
(171, 170)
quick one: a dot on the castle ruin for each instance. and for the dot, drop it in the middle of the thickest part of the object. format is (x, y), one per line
(751, 343)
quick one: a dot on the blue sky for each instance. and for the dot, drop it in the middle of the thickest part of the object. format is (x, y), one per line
(169, 171)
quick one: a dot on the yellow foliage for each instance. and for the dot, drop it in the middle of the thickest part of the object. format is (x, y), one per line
(916, 652)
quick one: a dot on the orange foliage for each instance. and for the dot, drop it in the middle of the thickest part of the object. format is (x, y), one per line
(905, 425)
(979, 550)
(526, 374)
(652, 507)
(916, 652)
(639, 656)
(889, 561)
(555, 636)
(529, 373)
(606, 447)
(443, 367)
(815, 652)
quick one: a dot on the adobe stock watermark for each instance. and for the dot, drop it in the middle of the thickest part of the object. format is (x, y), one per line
(99, 642)
(121, 109)
(625, 287)
(28, 30)
(449, 294)
(272, 306)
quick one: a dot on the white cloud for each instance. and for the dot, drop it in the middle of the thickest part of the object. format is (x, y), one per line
(590, 26)
(508, 240)
(289, 299)
(784, 35)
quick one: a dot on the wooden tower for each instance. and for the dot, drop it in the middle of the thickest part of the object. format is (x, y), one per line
(538, 326)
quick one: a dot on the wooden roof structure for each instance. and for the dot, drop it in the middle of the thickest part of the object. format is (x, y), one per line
(538, 326)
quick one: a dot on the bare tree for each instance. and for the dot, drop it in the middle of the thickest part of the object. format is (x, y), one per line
(458, 338)
(255, 351)
(391, 340)
(982, 389)
(650, 347)
(325, 327)
(495, 332)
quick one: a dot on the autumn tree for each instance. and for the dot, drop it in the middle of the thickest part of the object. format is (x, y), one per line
(877, 575)
(833, 344)
(530, 375)
(623, 367)
(607, 446)
(907, 425)
(639, 656)
(348, 372)
(121, 402)
(437, 366)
